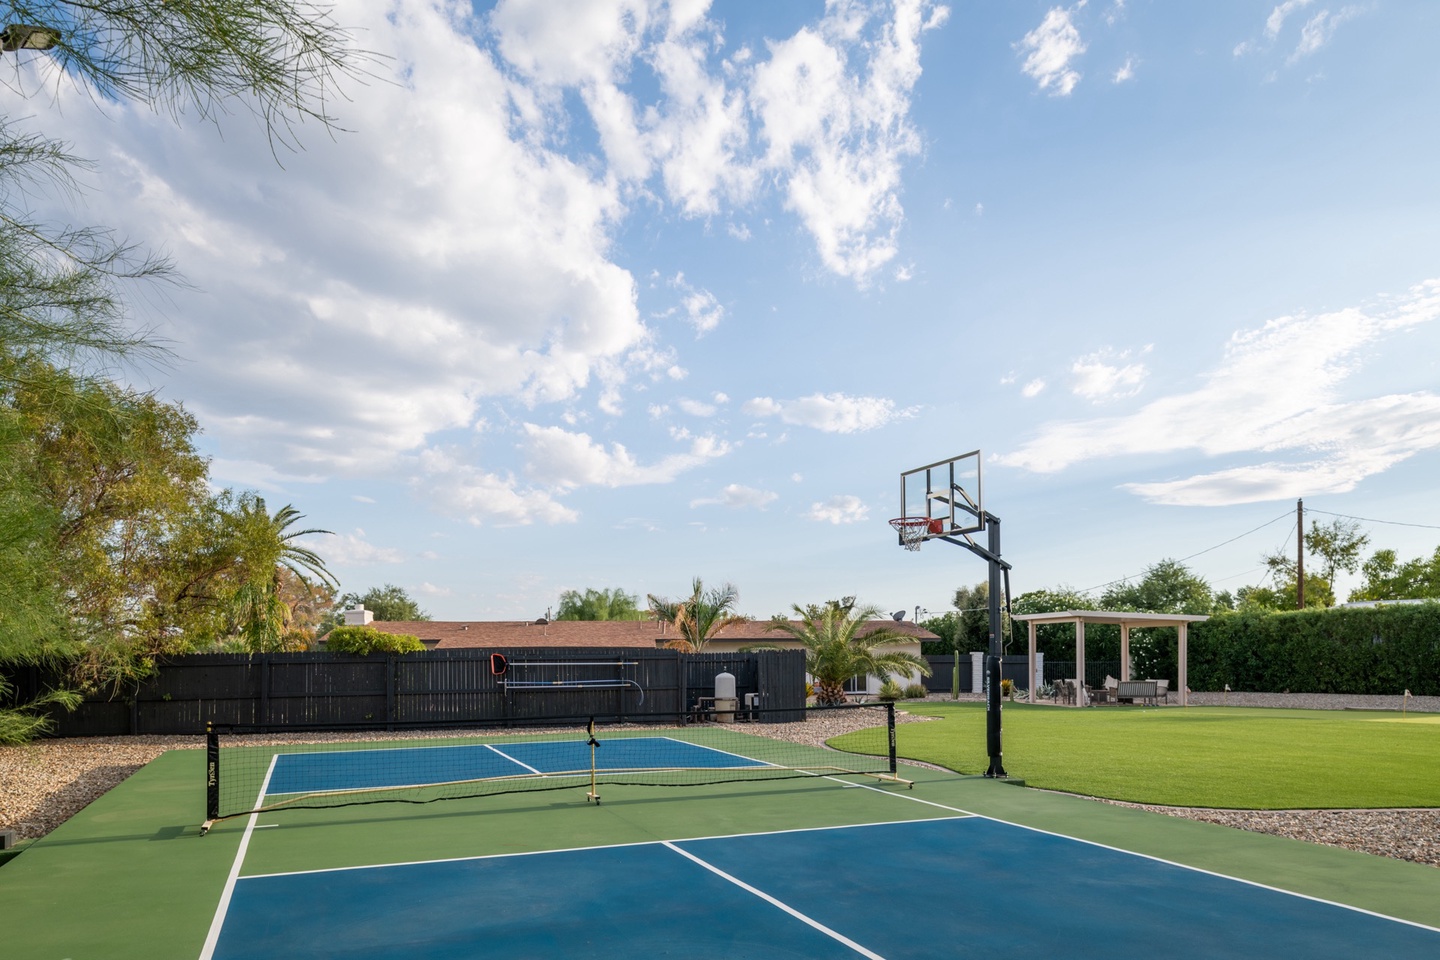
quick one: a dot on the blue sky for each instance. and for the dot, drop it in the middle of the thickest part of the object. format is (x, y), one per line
(616, 294)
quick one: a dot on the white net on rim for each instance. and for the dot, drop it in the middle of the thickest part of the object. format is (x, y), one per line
(912, 531)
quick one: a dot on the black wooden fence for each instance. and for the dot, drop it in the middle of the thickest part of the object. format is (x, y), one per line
(437, 686)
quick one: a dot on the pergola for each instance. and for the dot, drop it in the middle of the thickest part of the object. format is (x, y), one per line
(1125, 621)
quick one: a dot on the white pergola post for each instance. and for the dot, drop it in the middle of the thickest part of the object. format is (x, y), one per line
(1124, 651)
(1184, 629)
(1080, 663)
(1031, 625)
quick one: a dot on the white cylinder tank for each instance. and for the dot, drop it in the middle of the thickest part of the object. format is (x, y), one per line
(725, 702)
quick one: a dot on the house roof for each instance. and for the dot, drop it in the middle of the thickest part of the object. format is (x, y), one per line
(458, 634)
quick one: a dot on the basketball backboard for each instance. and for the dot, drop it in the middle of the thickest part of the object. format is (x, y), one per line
(947, 491)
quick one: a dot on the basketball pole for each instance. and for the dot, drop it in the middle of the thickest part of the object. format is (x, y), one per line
(998, 568)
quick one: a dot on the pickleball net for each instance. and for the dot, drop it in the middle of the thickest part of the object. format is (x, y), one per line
(256, 769)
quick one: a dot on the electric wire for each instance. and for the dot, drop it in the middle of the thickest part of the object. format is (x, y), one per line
(1393, 523)
(1192, 556)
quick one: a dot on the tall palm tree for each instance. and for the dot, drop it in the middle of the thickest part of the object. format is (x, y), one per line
(266, 547)
(835, 650)
(700, 616)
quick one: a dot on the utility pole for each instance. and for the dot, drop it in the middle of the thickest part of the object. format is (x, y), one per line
(1299, 554)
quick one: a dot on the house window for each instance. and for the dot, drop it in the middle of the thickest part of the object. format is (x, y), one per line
(860, 683)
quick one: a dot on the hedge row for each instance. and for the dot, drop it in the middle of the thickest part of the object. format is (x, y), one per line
(1362, 650)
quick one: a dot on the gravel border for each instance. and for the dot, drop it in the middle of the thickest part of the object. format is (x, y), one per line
(43, 784)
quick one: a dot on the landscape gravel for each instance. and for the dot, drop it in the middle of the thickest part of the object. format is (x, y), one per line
(43, 784)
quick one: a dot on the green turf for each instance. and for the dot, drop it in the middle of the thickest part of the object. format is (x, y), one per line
(1262, 759)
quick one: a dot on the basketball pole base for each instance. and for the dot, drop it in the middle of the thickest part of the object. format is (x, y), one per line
(997, 769)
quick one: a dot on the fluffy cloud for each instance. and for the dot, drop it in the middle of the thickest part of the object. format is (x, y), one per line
(459, 489)
(842, 508)
(739, 497)
(450, 250)
(351, 550)
(830, 412)
(563, 461)
(1106, 375)
(1049, 50)
(1275, 405)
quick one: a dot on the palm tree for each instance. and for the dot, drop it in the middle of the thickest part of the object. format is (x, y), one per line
(835, 651)
(698, 617)
(267, 551)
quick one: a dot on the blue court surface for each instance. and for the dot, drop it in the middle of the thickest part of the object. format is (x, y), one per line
(945, 888)
(408, 766)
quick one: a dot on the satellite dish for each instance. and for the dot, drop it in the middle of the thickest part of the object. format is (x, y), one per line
(898, 615)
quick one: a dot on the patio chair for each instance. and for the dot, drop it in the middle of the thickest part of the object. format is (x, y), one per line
(1162, 689)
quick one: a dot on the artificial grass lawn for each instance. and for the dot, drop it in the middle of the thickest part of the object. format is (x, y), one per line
(1260, 759)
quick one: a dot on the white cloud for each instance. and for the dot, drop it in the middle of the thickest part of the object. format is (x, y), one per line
(720, 397)
(351, 550)
(564, 461)
(1049, 50)
(1106, 375)
(430, 590)
(1033, 388)
(1277, 17)
(833, 104)
(739, 497)
(738, 230)
(702, 310)
(460, 489)
(1275, 405)
(1126, 71)
(830, 412)
(842, 508)
(1319, 30)
(695, 408)
(361, 498)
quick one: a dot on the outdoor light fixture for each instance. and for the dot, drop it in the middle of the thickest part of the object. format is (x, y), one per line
(18, 36)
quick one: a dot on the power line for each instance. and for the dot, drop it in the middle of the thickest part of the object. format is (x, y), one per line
(1197, 554)
(1393, 523)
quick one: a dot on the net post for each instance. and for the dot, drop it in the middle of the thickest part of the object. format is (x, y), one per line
(212, 778)
(890, 729)
(594, 793)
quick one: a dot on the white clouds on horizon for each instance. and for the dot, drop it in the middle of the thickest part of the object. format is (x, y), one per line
(1050, 48)
(1276, 394)
(739, 497)
(829, 412)
(351, 549)
(842, 508)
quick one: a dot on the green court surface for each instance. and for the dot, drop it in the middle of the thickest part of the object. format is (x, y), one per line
(130, 876)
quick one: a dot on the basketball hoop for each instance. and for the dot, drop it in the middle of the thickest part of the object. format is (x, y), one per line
(912, 531)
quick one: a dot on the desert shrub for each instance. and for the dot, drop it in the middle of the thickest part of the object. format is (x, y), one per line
(890, 690)
(916, 691)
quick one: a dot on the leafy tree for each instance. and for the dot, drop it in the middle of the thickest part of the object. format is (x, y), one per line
(267, 548)
(595, 604)
(1332, 547)
(835, 650)
(389, 602)
(1388, 579)
(1166, 587)
(363, 641)
(698, 617)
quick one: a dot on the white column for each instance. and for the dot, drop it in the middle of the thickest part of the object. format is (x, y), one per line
(1039, 673)
(977, 672)
(1080, 663)
(1184, 664)
(1031, 662)
(1124, 651)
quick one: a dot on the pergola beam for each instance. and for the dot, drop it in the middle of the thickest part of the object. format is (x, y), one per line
(1125, 620)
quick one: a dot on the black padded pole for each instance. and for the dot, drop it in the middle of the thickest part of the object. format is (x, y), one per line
(992, 698)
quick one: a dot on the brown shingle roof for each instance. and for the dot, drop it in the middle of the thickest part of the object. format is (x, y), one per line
(455, 634)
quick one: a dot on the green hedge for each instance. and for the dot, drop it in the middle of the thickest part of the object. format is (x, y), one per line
(367, 640)
(1361, 650)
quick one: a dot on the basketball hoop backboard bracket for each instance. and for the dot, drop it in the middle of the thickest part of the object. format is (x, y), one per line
(948, 494)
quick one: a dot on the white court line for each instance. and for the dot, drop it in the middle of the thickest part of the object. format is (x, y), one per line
(832, 934)
(1146, 856)
(213, 937)
(516, 762)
